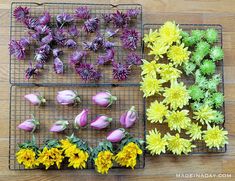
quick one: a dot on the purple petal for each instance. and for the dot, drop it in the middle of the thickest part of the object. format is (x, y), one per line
(120, 71)
(133, 59)
(120, 19)
(82, 12)
(77, 57)
(130, 38)
(57, 52)
(91, 25)
(44, 19)
(58, 66)
(73, 31)
(21, 13)
(87, 72)
(70, 43)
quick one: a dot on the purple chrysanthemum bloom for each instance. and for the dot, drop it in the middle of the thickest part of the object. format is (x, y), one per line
(87, 72)
(119, 19)
(82, 12)
(44, 49)
(77, 57)
(31, 23)
(110, 33)
(133, 59)
(24, 42)
(73, 31)
(44, 19)
(47, 39)
(21, 13)
(64, 19)
(107, 57)
(96, 44)
(133, 13)
(59, 36)
(57, 52)
(130, 38)
(30, 71)
(58, 66)
(70, 43)
(108, 44)
(91, 25)
(41, 55)
(120, 71)
(17, 50)
(107, 18)
(42, 29)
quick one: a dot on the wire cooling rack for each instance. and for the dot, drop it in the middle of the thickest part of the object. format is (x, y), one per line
(21, 109)
(48, 76)
(188, 80)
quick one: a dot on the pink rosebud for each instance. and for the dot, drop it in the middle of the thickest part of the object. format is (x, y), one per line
(29, 125)
(116, 135)
(35, 99)
(129, 118)
(104, 99)
(59, 126)
(67, 97)
(81, 119)
(101, 122)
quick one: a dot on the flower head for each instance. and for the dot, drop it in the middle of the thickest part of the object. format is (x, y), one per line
(103, 162)
(197, 34)
(116, 135)
(218, 99)
(21, 13)
(58, 66)
(120, 19)
(208, 67)
(130, 38)
(70, 43)
(133, 59)
(120, 71)
(88, 72)
(67, 97)
(57, 52)
(30, 71)
(205, 114)
(151, 86)
(35, 99)
(76, 57)
(151, 37)
(73, 31)
(82, 12)
(104, 99)
(59, 126)
(178, 54)
(17, 50)
(107, 57)
(129, 118)
(133, 13)
(59, 36)
(27, 157)
(44, 19)
(29, 125)
(194, 131)
(216, 53)
(149, 68)
(211, 35)
(158, 49)
(101, 122)
(168, 72)
(196, 93)
(91, 25)
(107, 18)
(31, 23)
(156, 112)
(95, 44)
(81, 119)
(64, 19)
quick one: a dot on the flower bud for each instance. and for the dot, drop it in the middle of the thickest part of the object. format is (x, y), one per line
(81, 119)
(129, 118)
(67, 97)
(59, 126)
(104, 99)
(35, 99)
(29, 125)
(116, 135)
(101, 122)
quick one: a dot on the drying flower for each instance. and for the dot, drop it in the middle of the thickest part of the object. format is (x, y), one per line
(120, 71)
(107, 57)
(77, 57)
(45, 49)
(35, 99)
(202, 48)
(104, 99)
(149, 68)
(133, 59)
(59, 126)
(213, 82)
(57, 52)
(64, 19)
(130, 38)
(184, 34)
(95, 44)
(178, 120)
(211, 35)
(31, 23)
(58, 66)
(82, 12)
(208, 67)
(81, 119)
(151, 86)
(91, 25)
(194, 131)
(110, 33)
(205, 114)
(88, 72)
(156, 112)
(17, 50)
(59, 36)
(67, 97)
(218, 99)
(116, 135)
(178, 54)
(47, 39)
(24, 42)
(176, 96)
(108, 45)
(155, 143)
(73, 31)
(44, 19)
(197, 35)
(168, 72)
(30, 71)
(119, 19)
(215, 137)
(21, 13)
(219, 118)
(42, 30)
(189, 41)
(107, 18)
(189, 67)
(151, 37)
(101, 122)
(133, 13)
(129, 118)
(197, 57)
(216, 53)
(158, 49)
(70, 43)
(196, 93)
(29, 125)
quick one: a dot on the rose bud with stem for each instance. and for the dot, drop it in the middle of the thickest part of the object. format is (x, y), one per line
(116, 135)
(104, 99)
(35, 99)
(101, 122)
(67, 97)
(81, 119)
(59, 126)
(129, 118)
(29, 125)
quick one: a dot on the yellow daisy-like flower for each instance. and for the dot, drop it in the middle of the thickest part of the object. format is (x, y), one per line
(194, 131)
(27, 157)
(178, 145)
(170, 33)
(205, 114)
(158, 49)
(155, 143)
(65, 144)
(178, 54)
(156, 112)
(176, 96)
(178, 120)
(169, 73)
(127, 156)
(149, 68)
(215, 137)
(151, 37)
(151, 86)
(103, 162)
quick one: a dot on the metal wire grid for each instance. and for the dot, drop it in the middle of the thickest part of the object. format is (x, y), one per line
(20, 110)
(48, 76)
(189, 80)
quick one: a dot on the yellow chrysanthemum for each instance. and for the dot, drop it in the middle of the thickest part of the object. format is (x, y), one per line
(169, 73)
(151, 86)
(149, 68)
(176, 96)
(65, 144)
(158, 49)
(151, 37)
(178, 54)
(178, 120)
(205, 114)
(155, 143)
(103, 162)
(27, 157)
(170, 33)
(178, 145)
(156, 112)
(194, 131)
(127, 156)
(215, 137)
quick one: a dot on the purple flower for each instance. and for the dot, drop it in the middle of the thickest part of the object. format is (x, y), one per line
(133, 59)
(21, 13)
(104, 99)
(42, 30)
(70, 43)
(91, 25)
(64, 19)
(108, 45)
(96, 44)
(44, 49)
(81, 119)
(129, 118)
(130, 38)
(120, 71)
(110, 33)
(77, 57)
(73, 31)
(57, 52)
(107, 57)
(41, 55)
(87, 72)
(17, 50)
(29, 125)
(101, 122)
(35, 99)
(107, 18)
(44, 19)
(24, 42)
(39, 64)
(31, 23)
(59, 36)
(67, 97)
(82, 12)
(59, 126)
(58, 66)
(47, 39)
(133, 13)
(116, 135)
(119, 19)
(30, 71)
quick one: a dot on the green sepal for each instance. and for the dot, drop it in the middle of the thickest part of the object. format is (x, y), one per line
(29, 144)
(51, 143)
(103, 146)
(79, 143)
